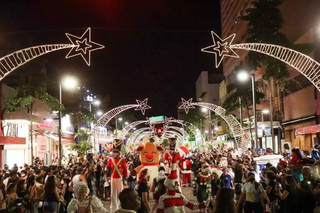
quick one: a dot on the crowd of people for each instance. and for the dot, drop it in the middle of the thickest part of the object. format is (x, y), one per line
(221, 180)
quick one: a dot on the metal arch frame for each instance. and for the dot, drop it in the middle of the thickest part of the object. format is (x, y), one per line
(232, 122)
(184, 123)
(182, 131)
(130, 126)
(304, 64)
(136, 133)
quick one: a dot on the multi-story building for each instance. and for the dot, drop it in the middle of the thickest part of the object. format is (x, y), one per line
(293, 108)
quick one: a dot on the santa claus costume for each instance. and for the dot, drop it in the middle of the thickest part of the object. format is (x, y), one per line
(172, 200)
(118, 168)
(185, 166)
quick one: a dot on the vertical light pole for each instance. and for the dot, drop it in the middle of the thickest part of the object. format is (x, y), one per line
(243, 76)
(67, 82)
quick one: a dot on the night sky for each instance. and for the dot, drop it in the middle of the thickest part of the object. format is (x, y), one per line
(152, 46)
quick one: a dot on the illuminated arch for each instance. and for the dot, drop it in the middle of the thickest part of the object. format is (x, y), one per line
(304, 64)
(141, 105)
(232, 122)
(14, 60)
(136, 134)
(130, 126)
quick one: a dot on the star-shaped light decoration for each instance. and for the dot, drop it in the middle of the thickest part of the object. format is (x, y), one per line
(221, 48)
(142, 105)
(83, 46)
(186, 105)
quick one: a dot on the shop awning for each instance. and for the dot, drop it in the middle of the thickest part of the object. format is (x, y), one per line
(4, 140)
(55, 137)
(308, 130)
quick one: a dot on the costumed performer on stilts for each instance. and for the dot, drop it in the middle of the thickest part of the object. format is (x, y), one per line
(118, 168)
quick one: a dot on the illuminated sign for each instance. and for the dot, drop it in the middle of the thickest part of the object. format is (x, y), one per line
(157, 120)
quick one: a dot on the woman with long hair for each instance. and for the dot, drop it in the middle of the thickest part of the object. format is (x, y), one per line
(51, 196)
(296, 167)
(272, 189)
(83, 202)
(224, 201)
(290, 195)
(12, 197)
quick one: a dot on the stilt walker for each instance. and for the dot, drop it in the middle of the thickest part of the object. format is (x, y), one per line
(118, 168)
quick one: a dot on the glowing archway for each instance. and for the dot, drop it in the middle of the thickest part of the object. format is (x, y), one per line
(130, 126)
(304, 64)
(140, 105)
(136, 133)
(232, 122)
(194, 129)
(82, 46)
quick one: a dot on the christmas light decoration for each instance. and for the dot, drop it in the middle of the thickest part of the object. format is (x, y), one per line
(304, 64)
(130, 126)
(14, 60)
(141, 105)
(136, 133)
(83, 46)
(180, 130)
(221, 48)
(232, 122)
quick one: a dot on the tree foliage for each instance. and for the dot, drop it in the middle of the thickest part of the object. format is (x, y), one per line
(264, 23)
(194, 118)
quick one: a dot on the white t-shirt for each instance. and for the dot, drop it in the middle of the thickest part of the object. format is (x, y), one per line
(252, 194)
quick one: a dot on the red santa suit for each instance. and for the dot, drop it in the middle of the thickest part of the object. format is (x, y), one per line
(185, 168)
(118, 168)
(173, 201)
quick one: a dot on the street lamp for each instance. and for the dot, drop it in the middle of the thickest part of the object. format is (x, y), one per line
(119, 119)
(68, 83)
(244, 76)
(126, 123)
(203, 109)
(99, 113)
(265, 111)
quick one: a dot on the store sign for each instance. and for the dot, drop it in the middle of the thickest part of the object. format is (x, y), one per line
(16, 128)
(46, 124)
(156, 120)
(66, 125)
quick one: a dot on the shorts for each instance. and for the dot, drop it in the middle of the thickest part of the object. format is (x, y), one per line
(50, 206)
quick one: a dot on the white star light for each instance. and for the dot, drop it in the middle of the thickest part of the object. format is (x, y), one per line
(142, 105)
(186, 105)
(221, 48)
(83, 46)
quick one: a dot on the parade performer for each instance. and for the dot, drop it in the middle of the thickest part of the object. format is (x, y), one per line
(185, 166)
(118, 168)
(149, 158)
(168, 156)
(203, 180)
(172, 200)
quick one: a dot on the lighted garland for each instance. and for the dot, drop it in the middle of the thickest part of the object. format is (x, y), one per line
(304, 64)
(130, 126)
(82, 46)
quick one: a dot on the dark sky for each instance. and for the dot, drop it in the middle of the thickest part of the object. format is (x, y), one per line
(152, 46)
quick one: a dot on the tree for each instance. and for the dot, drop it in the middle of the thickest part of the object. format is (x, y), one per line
(264, 24)
(82, 147)
(24, 97)
(243, 91)
(195, 118)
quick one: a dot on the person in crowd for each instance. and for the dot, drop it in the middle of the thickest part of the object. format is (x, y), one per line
(252, 192)
(295, 165)
(132, 180)
(130, 201)
(143, 191)
(238, 173)
(3, 197)
(98, 174)
(203, 180)
(21, 190)
(37, 194)
(306, 191)
(226, 179)
(118, 169)
(289, 193)
(159, 188)
(224, 202)
(51, 196)
(83, 202)
(271, 190)
(11, 178)
(12, 197)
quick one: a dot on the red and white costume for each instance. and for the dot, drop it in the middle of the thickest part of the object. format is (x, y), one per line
(174, 201)
(119, 171)
(185, 167)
